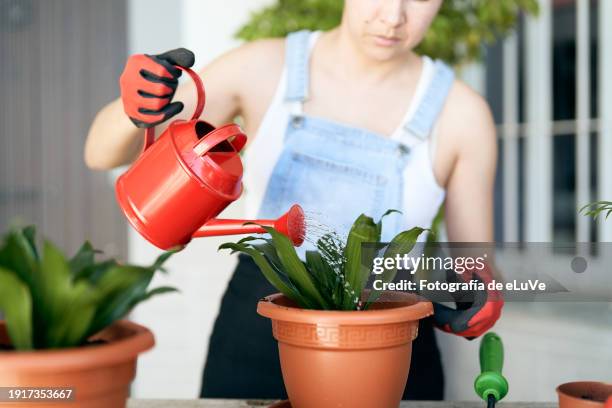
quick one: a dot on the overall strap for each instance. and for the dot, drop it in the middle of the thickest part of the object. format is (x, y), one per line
(297, 61)
(420, 125)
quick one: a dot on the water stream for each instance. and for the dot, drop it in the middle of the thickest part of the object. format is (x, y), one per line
(330, 244)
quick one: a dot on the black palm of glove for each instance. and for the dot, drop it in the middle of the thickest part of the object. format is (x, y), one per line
(476, 311)
(148, 84)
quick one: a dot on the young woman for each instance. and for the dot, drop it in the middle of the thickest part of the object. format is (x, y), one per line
(342, 122)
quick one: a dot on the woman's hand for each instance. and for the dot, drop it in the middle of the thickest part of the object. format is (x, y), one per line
(148, 84)
(475, 315)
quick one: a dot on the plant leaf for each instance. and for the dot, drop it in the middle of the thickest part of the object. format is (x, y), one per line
(82, 259)
(597, 208)
(116, 290)
(249, 239)
(323, 274)
(331, 248)
(65, 307)
(356, 274)
(436, 226)
(19, 254)
(52, 284)
(269, 273)
(16, 304)
(401, 244)
(379, 224)
(319, 268)
(29, 233)
(269, 251)
(159, 262)
(154, 292)
(295, 269)
(78, 310)
(92, 273)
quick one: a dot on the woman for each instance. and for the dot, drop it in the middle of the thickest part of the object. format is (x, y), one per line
(342, 122)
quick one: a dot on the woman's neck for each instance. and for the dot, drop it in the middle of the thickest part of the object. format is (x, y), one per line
(358, 65)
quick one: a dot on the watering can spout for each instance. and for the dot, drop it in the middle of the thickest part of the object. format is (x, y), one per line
(290, 224)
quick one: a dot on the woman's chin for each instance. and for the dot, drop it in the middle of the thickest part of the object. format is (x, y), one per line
(384, 53)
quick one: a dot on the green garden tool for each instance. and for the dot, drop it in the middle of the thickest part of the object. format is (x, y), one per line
(491, 385)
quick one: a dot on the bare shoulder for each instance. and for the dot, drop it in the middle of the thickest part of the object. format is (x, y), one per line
(243, 80)
(254, 70)
(262, 53)
(255, 63)
(467, 114)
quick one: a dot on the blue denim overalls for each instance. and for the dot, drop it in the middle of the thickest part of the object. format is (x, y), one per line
(338, 172)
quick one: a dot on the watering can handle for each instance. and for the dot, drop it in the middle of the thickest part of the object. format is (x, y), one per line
(201, 100)
(230, 133)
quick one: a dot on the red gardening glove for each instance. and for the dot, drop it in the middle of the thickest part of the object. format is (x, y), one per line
(473, 317)
(148, 83)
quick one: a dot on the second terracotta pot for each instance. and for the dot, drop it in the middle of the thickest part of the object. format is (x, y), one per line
(585, 394)
(356, 359)
(99, 375)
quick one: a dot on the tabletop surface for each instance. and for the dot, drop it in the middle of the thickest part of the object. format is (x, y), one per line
(217, 403)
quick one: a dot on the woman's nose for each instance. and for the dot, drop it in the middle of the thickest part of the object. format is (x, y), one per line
(393, 12)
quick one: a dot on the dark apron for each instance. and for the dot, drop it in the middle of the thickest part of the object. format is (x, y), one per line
(243, 357)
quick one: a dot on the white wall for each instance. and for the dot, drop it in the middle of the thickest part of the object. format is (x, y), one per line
(182, 322)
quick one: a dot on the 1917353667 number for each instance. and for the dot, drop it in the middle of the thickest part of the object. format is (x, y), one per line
(25, 394)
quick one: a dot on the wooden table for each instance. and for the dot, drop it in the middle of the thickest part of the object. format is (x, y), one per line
(215, 403)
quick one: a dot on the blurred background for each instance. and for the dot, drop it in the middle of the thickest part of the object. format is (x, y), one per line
(549, 84)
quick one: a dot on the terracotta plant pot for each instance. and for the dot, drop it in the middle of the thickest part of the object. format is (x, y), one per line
(356, 359)
(584, 394)
(99, 374)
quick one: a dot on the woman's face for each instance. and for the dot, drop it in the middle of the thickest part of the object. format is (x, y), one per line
(384, 29)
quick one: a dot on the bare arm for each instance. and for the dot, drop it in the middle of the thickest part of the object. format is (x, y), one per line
(469, 202)
(471, 146)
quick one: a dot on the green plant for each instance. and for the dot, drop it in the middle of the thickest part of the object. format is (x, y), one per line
(53, 302)
(597, 208)
(334, 276)
(457, 35)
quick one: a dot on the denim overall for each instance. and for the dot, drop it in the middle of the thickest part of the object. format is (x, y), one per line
(333, 171)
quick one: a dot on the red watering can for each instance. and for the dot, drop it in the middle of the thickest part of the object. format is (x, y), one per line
(181, 182)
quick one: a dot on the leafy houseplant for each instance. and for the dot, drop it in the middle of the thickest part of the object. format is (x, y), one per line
(333, 337)
(597, 208)
(332, 278)
(456, 36)
(62, 316)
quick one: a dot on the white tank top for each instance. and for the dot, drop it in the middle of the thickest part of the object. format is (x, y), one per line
(261, 155)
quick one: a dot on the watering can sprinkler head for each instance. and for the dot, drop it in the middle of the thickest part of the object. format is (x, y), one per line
(293, 225)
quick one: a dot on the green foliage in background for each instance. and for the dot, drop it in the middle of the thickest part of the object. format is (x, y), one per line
(456, 36)
(50, 301)
(334, 276)
(597, 208)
